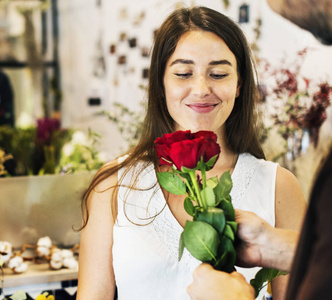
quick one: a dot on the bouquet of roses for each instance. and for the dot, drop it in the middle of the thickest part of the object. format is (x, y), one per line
(210, 236)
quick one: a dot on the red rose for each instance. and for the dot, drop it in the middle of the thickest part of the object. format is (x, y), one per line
(185, 149)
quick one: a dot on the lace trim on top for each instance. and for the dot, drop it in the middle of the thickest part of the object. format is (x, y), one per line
(168, 231)
(242, 176)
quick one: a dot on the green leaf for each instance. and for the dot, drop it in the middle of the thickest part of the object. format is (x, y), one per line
(201, 165)
(228, 209)
(184, 175)
(172, 183)
(212, 182)
(225, 185)
(208, 196)
(221, 262)
(211, 162)
(181, 246)
(262, 276)
(1, 262)
(189, 206)
(226, 255)
(233, 225)
(187, 170)
(229, 232)
(213, 216)
(19, 295)
(229, 198)
(201, 240)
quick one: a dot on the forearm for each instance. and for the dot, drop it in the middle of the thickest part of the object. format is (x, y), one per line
(290, 10)
(278, 248)
(317, 18)
(263, 245)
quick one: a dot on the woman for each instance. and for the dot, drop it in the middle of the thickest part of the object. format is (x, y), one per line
(201, 78)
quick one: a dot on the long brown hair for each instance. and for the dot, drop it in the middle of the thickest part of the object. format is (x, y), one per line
(240, 126)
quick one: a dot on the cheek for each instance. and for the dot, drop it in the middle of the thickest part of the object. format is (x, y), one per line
(227, 92)
(175, 93)
(168, 90)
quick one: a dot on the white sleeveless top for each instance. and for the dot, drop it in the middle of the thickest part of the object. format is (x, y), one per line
(145, 258)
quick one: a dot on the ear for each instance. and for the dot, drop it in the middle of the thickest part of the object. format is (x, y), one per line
(239, 84)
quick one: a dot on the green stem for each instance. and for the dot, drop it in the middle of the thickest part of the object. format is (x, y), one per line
(203, 177)
(197, 189)
(192, 194)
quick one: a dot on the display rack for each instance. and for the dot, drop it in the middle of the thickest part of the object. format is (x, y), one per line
(39, 277)
(47, 27)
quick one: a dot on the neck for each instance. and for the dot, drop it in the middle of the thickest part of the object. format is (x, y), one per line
(226, 162)
(227, 158)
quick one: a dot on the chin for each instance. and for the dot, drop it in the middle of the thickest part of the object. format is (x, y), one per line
(197, 127)
(201, 128)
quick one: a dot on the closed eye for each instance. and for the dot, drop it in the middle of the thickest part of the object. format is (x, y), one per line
(183, 75)
(218, 76)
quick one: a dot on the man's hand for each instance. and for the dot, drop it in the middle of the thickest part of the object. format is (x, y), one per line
(263, 245)
(253, 234)
(210, 284)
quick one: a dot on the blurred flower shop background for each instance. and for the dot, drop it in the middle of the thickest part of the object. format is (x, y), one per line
(73, 78)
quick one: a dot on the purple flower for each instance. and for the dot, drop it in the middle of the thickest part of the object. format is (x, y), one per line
(45, 129)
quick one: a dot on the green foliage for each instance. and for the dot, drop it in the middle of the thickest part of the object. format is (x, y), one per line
(201, 240)
(213, 217)
(129, 122)
(262, 277)
(224, 185)
(189, 206)
(80, 156)
(172, 183)
(34, 156)
(20, 143)
(208, 196)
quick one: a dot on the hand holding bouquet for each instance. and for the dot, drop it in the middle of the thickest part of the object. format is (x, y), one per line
(210, 236)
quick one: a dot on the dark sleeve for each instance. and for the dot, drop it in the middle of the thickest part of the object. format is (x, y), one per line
(311, 276)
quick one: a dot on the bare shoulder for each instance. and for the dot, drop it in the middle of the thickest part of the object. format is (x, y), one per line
(287, 184)
(107, 177)
(290, 201)
(102, 191)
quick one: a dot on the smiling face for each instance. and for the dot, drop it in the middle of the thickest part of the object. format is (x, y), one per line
(201, 82)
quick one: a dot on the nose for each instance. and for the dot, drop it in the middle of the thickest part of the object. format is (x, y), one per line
(201, 87)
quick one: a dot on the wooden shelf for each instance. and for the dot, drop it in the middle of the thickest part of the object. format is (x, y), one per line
(37, 273)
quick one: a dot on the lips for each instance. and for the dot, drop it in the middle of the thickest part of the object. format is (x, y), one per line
(202, 107)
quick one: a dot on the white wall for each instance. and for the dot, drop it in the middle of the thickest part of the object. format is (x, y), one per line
(82, 23)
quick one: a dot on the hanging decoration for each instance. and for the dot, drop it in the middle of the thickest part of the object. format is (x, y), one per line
(226, 3)
(257, 33)
(99, 67)
(138, 19)
(244, 13)
(121, 49)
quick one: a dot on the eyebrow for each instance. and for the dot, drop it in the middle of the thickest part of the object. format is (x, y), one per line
(191, 62)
